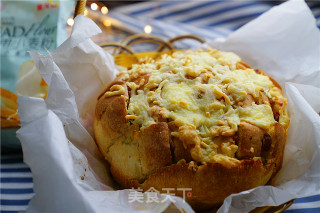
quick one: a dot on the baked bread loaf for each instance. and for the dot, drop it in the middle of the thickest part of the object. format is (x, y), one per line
(192, 119)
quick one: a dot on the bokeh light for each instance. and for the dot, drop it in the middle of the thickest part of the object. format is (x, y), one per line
(70, 21)
(104, 10)
(107, 23)
(148, 29)
(94, 6)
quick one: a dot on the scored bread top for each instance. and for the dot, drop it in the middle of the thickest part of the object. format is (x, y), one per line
(208, 98)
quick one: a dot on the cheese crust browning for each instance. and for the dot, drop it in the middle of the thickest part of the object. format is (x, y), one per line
(193, 119)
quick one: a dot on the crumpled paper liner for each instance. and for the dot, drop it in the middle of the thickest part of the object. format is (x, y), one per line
(70, 175)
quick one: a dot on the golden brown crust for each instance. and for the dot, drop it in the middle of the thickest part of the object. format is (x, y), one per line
(210, 183)
(109, 120)
(151, 157)
(154, 147)
(278, 138)
(180, 152)
(132, 153)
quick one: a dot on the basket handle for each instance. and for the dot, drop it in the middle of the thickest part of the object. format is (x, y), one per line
(181, 37)
(80, 7)
(117, 46)
(139, 38)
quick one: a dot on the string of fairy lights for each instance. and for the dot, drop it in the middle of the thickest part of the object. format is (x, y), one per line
(106, 21)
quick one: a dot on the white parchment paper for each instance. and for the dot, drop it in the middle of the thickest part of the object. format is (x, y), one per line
(70, 175)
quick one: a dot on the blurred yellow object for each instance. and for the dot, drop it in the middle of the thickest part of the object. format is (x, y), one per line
(9, 114)
(8, 99)
(29, 83)
(9, 106)
(7, 123)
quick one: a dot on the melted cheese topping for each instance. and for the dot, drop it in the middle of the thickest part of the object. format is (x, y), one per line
(202, 93)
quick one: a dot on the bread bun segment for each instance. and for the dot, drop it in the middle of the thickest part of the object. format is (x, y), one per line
(200, 120)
